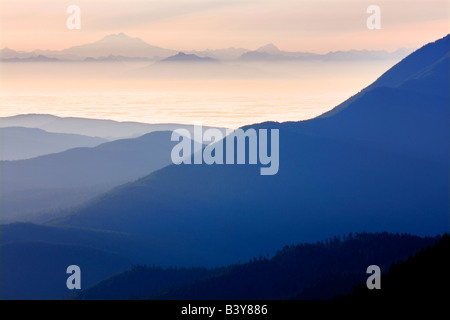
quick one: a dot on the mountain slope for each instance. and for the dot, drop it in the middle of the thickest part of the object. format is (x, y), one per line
(411, 118)
(37, 270)
(412, 65)
(111, 162)
(61, 180)
(19, 143)
(322, 188)
(424, 275)
(140, 281)
(139, 250)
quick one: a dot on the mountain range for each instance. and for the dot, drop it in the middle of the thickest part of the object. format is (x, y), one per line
(105, 129)
(69, 164)
(183, 57)
(375, 166)
(387, 171)
(120, 47)
(61, 180)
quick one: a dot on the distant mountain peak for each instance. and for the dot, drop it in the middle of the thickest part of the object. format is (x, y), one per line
(121, 34)
(121, 37)
(183, 57)
(269, 48)
(118, 44)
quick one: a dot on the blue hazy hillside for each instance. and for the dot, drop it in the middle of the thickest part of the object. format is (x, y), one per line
(18, 143)
(221, 214)
(36, 270)
(116, 161)
(138, 249)
(378, 165)
(35, 257)
(61, 180)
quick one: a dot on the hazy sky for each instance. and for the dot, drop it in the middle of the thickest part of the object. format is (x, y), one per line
(302, 25)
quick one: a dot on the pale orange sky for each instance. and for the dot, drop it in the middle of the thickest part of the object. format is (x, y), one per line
(303, 25)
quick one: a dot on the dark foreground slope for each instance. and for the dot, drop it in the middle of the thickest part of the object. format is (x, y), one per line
(422, 277)
(306, 271)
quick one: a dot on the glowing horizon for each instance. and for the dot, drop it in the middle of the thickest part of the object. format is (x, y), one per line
(312, 26)
(283, 93)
